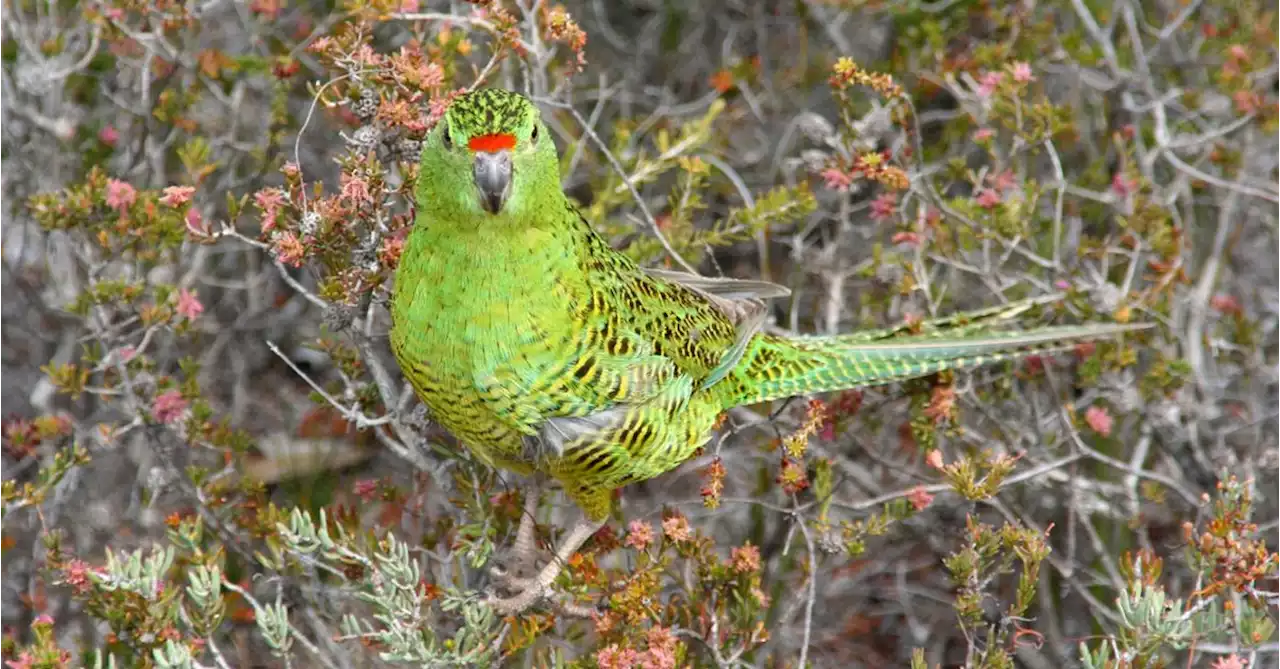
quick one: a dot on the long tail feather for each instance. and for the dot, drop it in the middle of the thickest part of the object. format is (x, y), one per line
(958, 324)
(777, 367)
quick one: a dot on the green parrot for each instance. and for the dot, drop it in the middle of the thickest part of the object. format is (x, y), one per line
(550, 354)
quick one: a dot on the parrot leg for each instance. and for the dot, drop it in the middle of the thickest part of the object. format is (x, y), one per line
(518, 565)
(536, 588)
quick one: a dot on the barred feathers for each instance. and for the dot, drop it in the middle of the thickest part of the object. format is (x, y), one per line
(777, 367)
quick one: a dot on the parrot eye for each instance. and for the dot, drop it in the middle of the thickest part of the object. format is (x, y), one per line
(445, 137)
(533, 136)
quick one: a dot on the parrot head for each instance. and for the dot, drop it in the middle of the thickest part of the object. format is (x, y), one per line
(490, 156)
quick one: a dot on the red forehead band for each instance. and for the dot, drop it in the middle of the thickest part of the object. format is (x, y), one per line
(491, 143)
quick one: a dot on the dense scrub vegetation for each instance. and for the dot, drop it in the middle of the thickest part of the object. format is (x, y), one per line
(211, 460)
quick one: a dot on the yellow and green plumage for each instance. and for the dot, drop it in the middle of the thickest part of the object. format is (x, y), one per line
(545, 350)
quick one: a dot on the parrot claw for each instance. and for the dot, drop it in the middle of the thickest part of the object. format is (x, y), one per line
(533, 590)
(517, 604)
(515, 573)
(510, 582)
(524, 591)
(516, 569)
(530, 594)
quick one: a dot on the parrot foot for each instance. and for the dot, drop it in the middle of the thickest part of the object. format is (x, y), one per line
(514, 570)
(530, 591)
(560, 603)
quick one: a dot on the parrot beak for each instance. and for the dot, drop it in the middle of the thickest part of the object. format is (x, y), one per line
(492, 171)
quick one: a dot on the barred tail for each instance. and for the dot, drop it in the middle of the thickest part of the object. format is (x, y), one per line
(776, 367)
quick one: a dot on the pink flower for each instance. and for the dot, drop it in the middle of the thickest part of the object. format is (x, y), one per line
(745, 559)
(983, 134)
(189, 305)
(437, 107)
(176, 195)
(1238, 52)
(639, 535)
(365, 55)
(1061, 284)
(269, 9)
(431, 74)
(409, 6)
(24, 661)
(1099, 420)
(120, 195)
(76, 575)
(366, 488)
(883, 207)
(1231, 661)
(989, 82)
(1004, 181)
(1247, 102)
(612, 657)
(1226, 304)
(355, 189)
(43, 619)
(988, 198)
(1122, 186)
(676, 528)
(934, 459)
(919, 498)
(906, 237)
(168, 406)
(289, 249)
(1022, 73)
(109, 135)
(269, 201)
(195, 223)
(837, 179)
(662, 649)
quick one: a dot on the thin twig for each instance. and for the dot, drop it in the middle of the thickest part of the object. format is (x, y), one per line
(626, 180)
